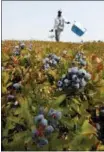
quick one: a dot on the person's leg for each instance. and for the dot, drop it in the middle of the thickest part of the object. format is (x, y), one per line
(59, 32)
(56, 35)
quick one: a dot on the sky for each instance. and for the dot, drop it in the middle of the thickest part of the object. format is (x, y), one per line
(32, 20)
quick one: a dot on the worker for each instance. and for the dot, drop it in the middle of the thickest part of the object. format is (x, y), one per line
(59, 25)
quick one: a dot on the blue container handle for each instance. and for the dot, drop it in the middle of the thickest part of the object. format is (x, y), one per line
(85, 29)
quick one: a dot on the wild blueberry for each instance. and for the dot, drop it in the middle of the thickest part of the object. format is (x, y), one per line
(51, 111)
(42, 142)
(46, 66)
(54, 62)
(87, 76)
(81, 73)
(59, 83)
(16, 85)
(35, 135)
(66, 82)
(74, 70)
(75, 85)
(11, 97)
(39, 118)
(45, 60)
(58, 115)
(82, 62)
(22, 45)
(83, 83)
(49, 130)
(43, 122)
(74, 77)
(54, 123)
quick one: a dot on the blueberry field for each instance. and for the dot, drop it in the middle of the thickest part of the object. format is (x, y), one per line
(52, 96)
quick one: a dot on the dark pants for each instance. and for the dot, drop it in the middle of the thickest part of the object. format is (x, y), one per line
(57, 35)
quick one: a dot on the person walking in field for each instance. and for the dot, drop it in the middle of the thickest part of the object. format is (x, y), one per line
(59, 25)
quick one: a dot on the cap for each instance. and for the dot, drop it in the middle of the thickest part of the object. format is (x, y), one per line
(59, 11)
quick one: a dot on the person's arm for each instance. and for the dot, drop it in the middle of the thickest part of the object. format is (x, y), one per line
(51, 30)
(67, 22)
(55, 24)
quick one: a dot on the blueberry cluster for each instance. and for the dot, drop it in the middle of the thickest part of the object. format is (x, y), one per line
(81, 59)
(51, 61)
(15, 86)
(16, 51)
(45, 127)
(54, 117)
(18, 48)
(12, 98)
(21, 45)
(17, 78)
(74, 79)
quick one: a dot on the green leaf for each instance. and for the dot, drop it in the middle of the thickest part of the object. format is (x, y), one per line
(15, 120)
(59, 100)
(33, 109)
(4, 90)
(68, 123)
(76, 101)
(17, 111)
(10, 124)
(87, 128)
(25, 113)
(81, 142)
(8, 84)
(76, 108)
(4, 57)
(17, 143)
(5, 77)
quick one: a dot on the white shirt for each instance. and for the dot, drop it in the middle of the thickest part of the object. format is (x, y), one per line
(59, 23)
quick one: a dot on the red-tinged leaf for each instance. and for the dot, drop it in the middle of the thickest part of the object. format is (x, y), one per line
(100, 67)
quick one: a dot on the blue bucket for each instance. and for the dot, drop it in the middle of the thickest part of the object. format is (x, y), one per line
(78, 29)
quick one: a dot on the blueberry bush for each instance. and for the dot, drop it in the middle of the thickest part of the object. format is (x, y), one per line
(52, 96)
